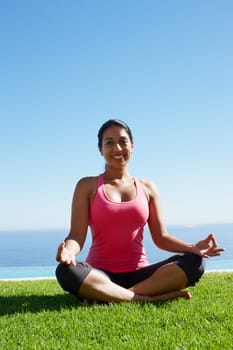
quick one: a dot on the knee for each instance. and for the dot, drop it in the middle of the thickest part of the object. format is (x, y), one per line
(64, 276)
(197, 261)
(198, 268)
(71, 277)
(194, 267)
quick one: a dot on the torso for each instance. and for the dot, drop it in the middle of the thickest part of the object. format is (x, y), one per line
(118, 212)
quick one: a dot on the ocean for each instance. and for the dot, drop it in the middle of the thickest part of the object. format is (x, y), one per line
(31, 254)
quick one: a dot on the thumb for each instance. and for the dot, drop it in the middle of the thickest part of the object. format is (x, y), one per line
(60, 249)
(61, 246)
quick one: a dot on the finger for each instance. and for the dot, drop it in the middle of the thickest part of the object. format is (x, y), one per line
(213, 239)
(73, 262)
(218, 251)
(62, 259)
(215, 252)
(209, 238)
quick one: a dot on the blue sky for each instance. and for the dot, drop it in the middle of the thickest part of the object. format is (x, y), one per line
(164, 67)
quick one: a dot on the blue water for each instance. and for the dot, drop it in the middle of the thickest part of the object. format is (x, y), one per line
(31, 254)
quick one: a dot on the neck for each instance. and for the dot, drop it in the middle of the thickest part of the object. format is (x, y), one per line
(120, 174)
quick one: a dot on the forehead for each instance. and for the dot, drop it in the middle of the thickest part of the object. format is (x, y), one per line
(115, 131)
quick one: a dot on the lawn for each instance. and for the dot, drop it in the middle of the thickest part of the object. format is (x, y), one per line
(39, 315)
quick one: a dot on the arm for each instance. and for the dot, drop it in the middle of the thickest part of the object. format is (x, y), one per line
(79, 222)
(207, 247)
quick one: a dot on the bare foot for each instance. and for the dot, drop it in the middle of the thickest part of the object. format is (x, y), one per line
(139, 298)
(172, 295)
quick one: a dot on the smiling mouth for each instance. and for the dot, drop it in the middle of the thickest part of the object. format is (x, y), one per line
(118, 157)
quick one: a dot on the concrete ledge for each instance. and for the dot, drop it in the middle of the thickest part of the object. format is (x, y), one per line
(27, 279)
(54, 278)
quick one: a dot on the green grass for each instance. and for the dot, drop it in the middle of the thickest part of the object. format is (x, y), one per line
(38, 315)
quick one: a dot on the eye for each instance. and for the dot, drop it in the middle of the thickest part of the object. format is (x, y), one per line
(108, 143)
(124, 142)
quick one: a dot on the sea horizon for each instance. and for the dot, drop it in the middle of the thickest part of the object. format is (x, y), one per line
(31, 253)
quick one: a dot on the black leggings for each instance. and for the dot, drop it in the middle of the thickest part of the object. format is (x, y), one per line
(71, 277)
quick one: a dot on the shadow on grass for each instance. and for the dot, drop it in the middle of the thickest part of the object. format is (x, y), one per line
(37, 303)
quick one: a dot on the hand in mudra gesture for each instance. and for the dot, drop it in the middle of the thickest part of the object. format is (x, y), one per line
(64, 255)
(207, 247)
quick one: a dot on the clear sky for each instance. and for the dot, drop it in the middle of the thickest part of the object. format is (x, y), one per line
(165, 67)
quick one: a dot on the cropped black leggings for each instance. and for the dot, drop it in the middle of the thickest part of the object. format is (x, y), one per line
(71, 277)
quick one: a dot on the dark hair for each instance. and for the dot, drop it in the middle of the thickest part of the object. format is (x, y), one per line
(109, 124)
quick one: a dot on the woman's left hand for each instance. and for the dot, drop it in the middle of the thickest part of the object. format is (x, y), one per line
(207, 247)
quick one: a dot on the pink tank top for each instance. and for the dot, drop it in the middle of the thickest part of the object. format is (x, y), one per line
(117, 231)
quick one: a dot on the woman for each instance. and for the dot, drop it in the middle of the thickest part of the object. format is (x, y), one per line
(117, 206)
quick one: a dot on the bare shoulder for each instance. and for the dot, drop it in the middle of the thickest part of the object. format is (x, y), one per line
(149, 188)
(87, 186)
(87, 181)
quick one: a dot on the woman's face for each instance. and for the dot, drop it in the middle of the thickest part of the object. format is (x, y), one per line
(116, 146)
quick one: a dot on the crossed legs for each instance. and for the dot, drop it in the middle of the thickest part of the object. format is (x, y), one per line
(162, 281)
(164, 284)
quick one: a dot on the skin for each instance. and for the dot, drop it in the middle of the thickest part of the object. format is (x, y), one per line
(167, 282)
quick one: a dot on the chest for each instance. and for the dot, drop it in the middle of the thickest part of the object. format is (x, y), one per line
(121, 192)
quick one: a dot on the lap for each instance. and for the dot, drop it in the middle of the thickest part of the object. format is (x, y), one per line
(71, 277)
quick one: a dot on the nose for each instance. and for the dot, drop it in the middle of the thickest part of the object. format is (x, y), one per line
(118, 147)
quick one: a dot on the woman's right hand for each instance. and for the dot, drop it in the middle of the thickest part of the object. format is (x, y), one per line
(64, 255)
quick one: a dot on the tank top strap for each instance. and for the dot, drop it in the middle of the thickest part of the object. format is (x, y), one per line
(100, 180)
(140, 191)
